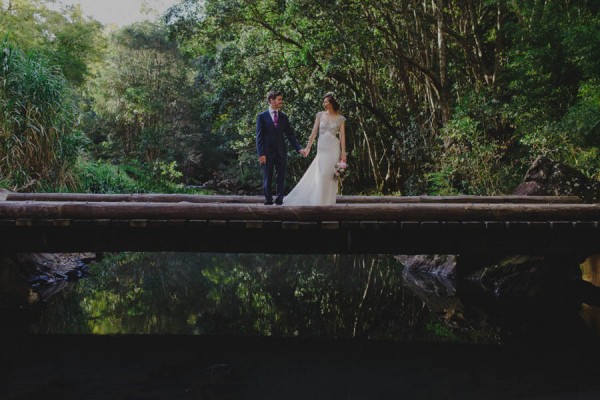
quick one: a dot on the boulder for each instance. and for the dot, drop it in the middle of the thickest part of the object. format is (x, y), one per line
(514, 277)
(31, 277)
(434, 264)
(547, 177)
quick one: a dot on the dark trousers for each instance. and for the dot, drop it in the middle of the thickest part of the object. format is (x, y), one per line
(277, 165)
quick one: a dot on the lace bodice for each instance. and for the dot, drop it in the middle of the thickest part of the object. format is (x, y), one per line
(330, 125)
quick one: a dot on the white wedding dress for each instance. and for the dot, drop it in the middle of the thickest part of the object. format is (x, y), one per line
(318, 187)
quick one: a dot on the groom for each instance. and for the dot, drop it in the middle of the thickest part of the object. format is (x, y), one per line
(271, 125)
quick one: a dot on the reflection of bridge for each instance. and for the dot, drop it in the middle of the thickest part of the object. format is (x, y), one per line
(395, 225)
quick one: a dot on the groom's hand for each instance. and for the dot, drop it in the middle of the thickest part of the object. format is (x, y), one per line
(262, 159)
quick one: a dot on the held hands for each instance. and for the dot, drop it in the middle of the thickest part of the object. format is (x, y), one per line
(305, 152)
(262, 159)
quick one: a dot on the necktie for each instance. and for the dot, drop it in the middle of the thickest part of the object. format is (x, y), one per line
(275, 118)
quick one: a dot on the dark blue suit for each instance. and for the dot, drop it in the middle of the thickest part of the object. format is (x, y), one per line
(270, 142)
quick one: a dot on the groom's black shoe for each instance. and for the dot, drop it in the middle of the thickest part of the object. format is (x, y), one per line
(279, 203)
(268, 203)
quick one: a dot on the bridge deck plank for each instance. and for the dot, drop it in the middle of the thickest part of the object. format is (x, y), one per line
(348, 212)
(411, 226)
(176, 198)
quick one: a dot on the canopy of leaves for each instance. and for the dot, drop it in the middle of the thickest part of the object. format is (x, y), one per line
(424, 84)
(441, 97)
(65, 37)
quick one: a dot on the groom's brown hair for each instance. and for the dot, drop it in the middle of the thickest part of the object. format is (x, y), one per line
(273, 95)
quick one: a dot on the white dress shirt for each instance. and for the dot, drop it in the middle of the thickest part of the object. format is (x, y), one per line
(272, 113)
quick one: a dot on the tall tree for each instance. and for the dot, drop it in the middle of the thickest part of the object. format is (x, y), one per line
(63, 36)
(143, 101)
(427, 85)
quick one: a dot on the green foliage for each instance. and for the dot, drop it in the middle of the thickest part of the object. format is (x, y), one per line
(70, 41)
(438, 100)
(470, 107)
(442, 182)
(474, 161)
(575, 138)
(144, 108)
(552, 77)
(439, 330)
(582, 127)
(102, 177)
(39, 146)
(471, 156)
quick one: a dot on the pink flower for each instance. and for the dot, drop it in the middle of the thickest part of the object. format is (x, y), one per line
(341, 171)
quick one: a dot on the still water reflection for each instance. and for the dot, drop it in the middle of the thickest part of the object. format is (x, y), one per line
(334, 296)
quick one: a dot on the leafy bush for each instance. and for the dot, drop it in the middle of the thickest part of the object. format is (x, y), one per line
(38, 145)
(102, 177)
(476, 159)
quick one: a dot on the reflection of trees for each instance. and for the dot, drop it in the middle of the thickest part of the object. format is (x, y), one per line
(302, 295)
(62, 314)
(341, 296)
(249, 294)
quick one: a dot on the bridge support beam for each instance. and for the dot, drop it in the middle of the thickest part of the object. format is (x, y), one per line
(294, 237)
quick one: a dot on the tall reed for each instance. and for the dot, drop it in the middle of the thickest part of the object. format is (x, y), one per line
(38, 145)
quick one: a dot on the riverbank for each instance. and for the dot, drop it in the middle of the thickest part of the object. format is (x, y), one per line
(224, 367)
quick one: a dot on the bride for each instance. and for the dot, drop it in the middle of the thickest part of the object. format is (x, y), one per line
(318, 186)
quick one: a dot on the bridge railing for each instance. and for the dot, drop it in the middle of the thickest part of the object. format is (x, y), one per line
(52, 223)
(175, 198)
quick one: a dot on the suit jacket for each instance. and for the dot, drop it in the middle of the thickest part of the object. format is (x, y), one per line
(269, 139)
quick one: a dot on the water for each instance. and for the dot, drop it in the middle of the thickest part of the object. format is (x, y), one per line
(308, 326)
(314, 296)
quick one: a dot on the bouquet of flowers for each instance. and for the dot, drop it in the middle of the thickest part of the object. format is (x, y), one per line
(341, 171)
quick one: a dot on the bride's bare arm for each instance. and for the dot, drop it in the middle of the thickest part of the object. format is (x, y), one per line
(343, 141)
(313, 135)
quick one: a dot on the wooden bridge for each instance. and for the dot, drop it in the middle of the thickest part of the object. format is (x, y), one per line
(55, 222)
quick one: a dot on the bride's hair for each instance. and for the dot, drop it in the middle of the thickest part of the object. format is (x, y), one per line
(332, 100)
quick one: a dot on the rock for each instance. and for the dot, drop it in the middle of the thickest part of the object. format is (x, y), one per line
(516, 277)
(44, 273)
(537, 299)
(529, 188)
(435, 264)
(546, 177)
(226, 184)
(432, 285)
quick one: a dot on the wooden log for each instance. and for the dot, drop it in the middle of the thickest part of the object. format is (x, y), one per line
(348, 212)
(176, 198)
(458, 199)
